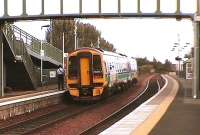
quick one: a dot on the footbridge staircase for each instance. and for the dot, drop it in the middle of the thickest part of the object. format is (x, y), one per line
(22, 56)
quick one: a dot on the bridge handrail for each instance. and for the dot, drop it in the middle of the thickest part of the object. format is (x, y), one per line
(34, 44)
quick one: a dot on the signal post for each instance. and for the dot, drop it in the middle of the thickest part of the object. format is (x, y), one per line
(196, 91)
(196, 73)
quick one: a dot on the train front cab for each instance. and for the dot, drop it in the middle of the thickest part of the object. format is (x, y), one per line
(86, 78)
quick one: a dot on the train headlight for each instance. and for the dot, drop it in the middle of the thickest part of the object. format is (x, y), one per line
(74, 92)
(97, 91)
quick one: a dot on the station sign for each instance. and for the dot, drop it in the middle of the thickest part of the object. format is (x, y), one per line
(52, 74)
(42, 53)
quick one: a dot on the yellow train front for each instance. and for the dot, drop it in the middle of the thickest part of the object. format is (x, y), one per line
(86, 74)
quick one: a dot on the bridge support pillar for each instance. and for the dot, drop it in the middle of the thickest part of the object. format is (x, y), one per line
(1, 61)
(196, 91)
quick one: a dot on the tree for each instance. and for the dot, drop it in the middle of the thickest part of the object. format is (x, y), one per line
(142, 61)
(146, 66)
(168, 65)
(87, 34)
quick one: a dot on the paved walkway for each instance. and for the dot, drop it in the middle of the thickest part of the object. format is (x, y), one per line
(183, 115)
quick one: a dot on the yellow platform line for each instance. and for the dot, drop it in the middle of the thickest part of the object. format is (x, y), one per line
(146, 127)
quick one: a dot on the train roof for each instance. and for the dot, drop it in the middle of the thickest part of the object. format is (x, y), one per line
(99, 50)
(115, 54)
(94, 49)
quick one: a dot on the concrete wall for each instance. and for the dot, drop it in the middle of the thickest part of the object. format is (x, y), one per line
(11, 110)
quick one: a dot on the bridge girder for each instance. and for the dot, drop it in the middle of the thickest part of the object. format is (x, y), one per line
(157, 14)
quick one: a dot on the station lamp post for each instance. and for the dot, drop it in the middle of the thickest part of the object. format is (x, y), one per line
(76, 23)
(186, 44)
(75, 34)
(178, 58)
(63, 46)
(42, 55)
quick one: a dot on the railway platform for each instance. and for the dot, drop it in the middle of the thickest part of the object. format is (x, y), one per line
(21, 102)
(19, 92)
(171, 111)
(182, 117)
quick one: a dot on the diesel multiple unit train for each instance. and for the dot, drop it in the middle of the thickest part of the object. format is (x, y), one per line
(94, 73)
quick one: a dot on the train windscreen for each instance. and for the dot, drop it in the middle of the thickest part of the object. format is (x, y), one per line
(97, 67)
(72, 67)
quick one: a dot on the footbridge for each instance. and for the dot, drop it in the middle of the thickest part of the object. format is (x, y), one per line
(23, 59)
(52, 54)
(59, 9)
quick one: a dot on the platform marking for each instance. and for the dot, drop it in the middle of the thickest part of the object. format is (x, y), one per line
(30, 98)
(130, 122)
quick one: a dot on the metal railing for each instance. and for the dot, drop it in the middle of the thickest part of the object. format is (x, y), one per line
(34, 45)
(19, 50)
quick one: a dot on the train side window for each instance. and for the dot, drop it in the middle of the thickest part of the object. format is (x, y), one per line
(110, 67)
(117, 65)
(97, 66)
(106, 70)
(72, 67)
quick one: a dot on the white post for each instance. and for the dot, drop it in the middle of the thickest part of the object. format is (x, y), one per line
(77, 43)
(98, 43)
(196, 93)
(179, 55)
(63, 48)
(91, 45)
(41, 56)
(41, 64)
(51, 32)
(75, 36)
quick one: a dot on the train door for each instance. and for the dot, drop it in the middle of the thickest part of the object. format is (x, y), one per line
(85, 71)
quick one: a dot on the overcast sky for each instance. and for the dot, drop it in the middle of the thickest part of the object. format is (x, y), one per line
(135, 37)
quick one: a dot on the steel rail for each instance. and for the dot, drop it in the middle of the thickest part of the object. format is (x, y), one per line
(32, 125)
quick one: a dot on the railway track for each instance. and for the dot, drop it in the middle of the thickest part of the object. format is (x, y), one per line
(152, 88)
(32, 125)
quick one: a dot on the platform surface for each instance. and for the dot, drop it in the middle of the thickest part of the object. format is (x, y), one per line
(182, 117)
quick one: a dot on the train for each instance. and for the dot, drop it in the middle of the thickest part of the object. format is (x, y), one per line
(94, 73)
